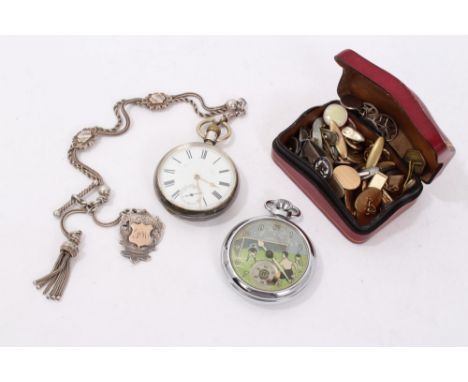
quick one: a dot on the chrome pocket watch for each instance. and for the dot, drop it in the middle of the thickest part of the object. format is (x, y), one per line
(269, 258)
(197, 180)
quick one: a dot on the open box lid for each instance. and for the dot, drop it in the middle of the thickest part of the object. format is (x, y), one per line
(418, 130)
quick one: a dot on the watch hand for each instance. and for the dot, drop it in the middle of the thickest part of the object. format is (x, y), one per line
(209, 183)
(198, 178)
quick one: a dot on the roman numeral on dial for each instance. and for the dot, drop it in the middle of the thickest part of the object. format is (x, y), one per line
(189, 154)
(217, 195)
(169, 183)
(225, 184)
(204, 153)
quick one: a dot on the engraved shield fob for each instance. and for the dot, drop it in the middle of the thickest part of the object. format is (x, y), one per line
(269, 258)
(140, 233)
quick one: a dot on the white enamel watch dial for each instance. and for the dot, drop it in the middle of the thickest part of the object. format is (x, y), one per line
(196, 180)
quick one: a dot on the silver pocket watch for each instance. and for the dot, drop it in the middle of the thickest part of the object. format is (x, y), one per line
(269, 258)
(197, 180)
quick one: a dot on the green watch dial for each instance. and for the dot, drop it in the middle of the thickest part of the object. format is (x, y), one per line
(269, 254)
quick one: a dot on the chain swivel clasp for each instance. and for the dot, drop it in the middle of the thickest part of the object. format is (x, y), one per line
(90, 207)
(236, 107)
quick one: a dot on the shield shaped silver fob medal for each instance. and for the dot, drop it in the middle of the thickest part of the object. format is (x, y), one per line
(204, 190)
(269, 258)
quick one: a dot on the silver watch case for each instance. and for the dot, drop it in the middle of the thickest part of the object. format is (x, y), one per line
(252, 293)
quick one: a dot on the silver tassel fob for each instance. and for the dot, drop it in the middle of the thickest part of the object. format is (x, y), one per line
(56, 281)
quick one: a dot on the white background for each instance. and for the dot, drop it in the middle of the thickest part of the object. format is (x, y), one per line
(406, 286)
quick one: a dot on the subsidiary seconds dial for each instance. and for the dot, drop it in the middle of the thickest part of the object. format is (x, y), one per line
(196, 180)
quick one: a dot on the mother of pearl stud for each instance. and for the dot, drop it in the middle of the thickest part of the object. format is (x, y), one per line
(336, 113)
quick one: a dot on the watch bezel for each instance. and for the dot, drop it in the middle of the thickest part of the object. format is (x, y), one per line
(194, 214)
(256, 294)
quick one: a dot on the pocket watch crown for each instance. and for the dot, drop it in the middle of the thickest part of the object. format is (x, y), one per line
(282, 207)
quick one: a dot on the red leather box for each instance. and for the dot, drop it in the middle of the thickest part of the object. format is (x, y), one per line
(417, 129)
